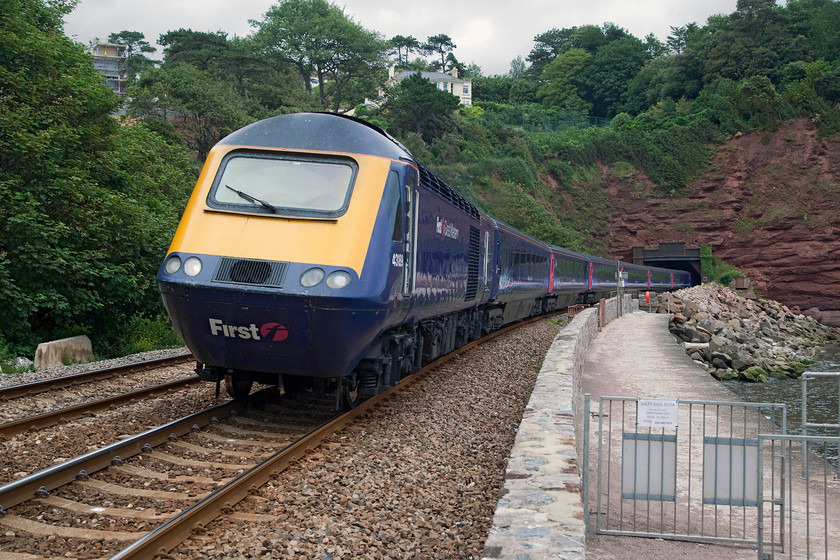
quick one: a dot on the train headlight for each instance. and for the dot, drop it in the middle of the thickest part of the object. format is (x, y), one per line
(173, 265)
(311, 277)
(338, 279)
(192, 266)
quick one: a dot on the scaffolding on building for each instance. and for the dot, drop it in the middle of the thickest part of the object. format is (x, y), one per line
(109, 60)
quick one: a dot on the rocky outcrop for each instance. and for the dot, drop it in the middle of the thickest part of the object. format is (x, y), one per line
(735, 337)
(769, 204)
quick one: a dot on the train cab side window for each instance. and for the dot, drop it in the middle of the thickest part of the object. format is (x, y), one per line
(392, 203)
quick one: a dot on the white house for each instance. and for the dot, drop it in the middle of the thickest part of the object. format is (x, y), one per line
(462, 89)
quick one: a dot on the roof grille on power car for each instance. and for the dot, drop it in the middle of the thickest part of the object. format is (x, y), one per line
(244, 271)
(434, 183)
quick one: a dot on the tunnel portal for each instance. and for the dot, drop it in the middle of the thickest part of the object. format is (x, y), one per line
(674, 255)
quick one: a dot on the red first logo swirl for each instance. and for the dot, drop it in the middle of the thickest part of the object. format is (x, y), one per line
(274, 331)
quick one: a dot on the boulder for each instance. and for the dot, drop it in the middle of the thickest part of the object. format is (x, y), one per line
(23, 363)
(813, 313)
(831, 318)
(62, 352)
(761, 337)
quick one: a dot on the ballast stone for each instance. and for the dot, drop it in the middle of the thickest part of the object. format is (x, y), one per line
(76, 349)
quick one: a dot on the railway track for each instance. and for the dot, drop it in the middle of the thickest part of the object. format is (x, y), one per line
(99, 503)
(30, 389)
(17, 395)
(147, 493)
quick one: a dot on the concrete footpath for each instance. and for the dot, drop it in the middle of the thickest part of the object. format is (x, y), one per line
(637, 357)
(541, 512)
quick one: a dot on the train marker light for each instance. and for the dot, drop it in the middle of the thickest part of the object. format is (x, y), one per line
(192, 266)
(173, 265)
(311, 277)
(338, 279)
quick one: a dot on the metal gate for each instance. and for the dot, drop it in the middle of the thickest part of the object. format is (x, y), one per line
(807, 522)
(683, 470)
(809, 518)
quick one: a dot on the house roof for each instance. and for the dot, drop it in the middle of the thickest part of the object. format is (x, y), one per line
(431, 76)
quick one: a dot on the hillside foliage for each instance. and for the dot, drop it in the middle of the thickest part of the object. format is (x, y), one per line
(90, 201)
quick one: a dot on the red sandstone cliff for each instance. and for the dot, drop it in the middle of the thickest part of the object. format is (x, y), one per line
(770, 206)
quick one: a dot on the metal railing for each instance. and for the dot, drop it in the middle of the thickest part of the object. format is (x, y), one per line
(806, 425)
(803, 523)
(681, 470)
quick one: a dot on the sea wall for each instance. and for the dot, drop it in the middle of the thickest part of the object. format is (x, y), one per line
(541, 513)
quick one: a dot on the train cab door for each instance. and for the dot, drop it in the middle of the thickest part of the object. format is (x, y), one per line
(496, 267)
(410, 205)
(485, 251)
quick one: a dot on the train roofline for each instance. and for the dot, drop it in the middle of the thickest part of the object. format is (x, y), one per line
(329, 132)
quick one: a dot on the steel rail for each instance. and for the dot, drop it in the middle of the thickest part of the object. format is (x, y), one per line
(70, 413)
(58, 382)
(43, 481)
(169, 535)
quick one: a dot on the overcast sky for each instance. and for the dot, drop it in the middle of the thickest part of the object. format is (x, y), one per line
(489, 33)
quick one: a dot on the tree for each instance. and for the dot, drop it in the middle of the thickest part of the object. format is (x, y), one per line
(725, 54)
(518, 70)
(439, 44)
(828, 86)
(561, 81)
(135, 45)
(207, 109)
(759, 103)
(80, 240)
(522, 92)
(610, 71)
(404, 46)
(323, 43)
(416, 105)
(655, 47)
(197, 48)
(492, 88)
(243, 63)
(753, 16)
(472, 70)
(548, 46)
(590, 38)
(679, 38)
(453, 63)
(353, 64)
(134, 41)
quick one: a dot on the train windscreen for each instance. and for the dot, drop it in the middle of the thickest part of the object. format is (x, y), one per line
(282, 185)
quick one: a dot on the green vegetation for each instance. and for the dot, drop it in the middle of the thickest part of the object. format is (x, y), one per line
(89, 202)
(716, 270)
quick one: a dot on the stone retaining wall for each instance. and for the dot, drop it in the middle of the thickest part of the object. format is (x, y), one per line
(540, 513)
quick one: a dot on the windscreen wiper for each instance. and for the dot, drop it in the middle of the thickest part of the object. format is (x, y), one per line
(253, 199)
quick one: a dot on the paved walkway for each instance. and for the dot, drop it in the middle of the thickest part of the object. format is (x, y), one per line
(636, 356)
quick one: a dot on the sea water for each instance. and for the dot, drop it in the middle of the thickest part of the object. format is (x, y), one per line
(823, 396)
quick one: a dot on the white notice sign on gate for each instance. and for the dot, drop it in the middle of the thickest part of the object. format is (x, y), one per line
(658, 413)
